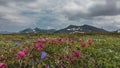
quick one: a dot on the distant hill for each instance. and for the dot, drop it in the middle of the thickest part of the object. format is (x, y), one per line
(117, 31)
(37, 30)
(69, 29)
(4, 32)
(84, 28)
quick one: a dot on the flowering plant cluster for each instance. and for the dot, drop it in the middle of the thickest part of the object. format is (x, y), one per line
(45, 53)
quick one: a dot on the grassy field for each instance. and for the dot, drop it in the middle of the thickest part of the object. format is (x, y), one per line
(60, 51)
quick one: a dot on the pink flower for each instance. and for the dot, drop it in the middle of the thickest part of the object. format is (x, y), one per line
(38, 49)
(79, 40)
(77, 53)
(70, 58)
(46, 39)
(25, 51)
(61, 64)
(1, 56)
(2, 65)
(20, 54)
(39, 45)
(43, 40)
(83, 45)
(47, 66)
(61, 39)
(40, 41)
(72, 41)
(53, 41)
(90, 42)
(63, 56)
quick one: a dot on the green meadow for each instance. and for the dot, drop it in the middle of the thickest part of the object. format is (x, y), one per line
(103, 52)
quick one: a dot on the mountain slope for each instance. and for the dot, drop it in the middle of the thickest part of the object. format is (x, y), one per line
(84, 28)
(117, 31)
(37, 30)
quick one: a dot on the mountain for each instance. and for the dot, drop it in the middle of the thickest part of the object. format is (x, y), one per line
(37, 30)
(117, 31)
(44, 30)
(84, 28)
(28, 30)
(4, 32)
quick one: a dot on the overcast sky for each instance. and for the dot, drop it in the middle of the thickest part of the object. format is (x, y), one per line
(16, 15)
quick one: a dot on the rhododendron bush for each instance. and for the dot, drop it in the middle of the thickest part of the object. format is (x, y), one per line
(59, 51)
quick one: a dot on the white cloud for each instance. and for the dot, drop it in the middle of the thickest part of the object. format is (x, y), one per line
(107, 22)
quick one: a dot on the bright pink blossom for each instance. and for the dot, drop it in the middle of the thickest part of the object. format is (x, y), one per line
(83, 45)
(37, 45)
(20, 54)
(2, 65)
(90, 42)
(61, 39)
(53, 41)
(77, 54)
(25, 51)
(41, 40)
(38, 49)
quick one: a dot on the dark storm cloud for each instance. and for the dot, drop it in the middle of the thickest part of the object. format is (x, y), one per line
(108, 9)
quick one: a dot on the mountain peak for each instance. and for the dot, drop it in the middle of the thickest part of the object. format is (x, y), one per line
(72, 26)
(37, 30)
(86, 25)
(84, 28)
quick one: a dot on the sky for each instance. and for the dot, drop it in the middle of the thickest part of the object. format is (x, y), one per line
(16, 15)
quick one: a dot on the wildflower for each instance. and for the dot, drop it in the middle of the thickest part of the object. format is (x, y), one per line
(70, 58)
(83, 45)
(77, 54)
(38, 49)
(16, 44)
(37, 45)
(1, 57)
(43, 55)
(43, 40)
(47, 66)
(72, 41)
(40, 41)
(20, 54)
(25, 51)
(53, 41)
(79, 40)
(90, 42)
(63, 56)
(61, 40)
(62, 64)
(46, 39)
(2, 65)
